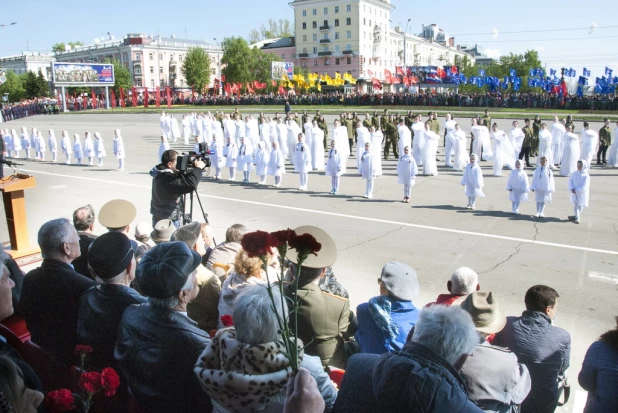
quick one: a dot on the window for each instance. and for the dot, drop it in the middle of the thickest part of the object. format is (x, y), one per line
(138, 56)
(348, 34)
(315, 12)
(304, 26)
(337, 61)
(336, 35)
(161, 70)
(213, 71)
(152, 83)
(304, 13)
(139, 83)
(364, 21)
(137, 71)
(348, 46)
(325, 36)
(336, 9)
(348, 21)
(337, 49)
(161, 56)
(314, 24)
(304, 37)
(349, 60)
(283, 56)
(348, 8)
(152, 69)
(150, 56)
(336, 22)
(325, 10)
(325, 22)
(180, 57)
(315, 37)
(315, 49)
(315, 62)
(304, 50)
(161, 81)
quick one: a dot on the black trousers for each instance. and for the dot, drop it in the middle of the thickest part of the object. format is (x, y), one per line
(602, 153)
(525, 152)
(1, 165)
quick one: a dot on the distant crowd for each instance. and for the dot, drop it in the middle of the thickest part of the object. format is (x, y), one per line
(25, 108)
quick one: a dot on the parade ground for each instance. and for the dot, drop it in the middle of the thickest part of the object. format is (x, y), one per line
(434, 233)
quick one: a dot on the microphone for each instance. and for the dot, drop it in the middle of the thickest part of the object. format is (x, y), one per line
(11, 163)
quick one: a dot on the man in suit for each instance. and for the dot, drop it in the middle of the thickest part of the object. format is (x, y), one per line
(325, 322)
(50, 296)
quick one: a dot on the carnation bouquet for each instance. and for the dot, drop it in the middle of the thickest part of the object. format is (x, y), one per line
(260, 244)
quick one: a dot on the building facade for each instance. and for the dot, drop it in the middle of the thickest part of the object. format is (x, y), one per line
(29, 62)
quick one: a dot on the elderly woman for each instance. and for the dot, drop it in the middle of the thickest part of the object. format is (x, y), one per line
(14, 395)
(243, 369)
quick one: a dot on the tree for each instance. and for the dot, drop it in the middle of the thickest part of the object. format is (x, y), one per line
(276, 28)
(13, 86)
(122, 76)
(245, 64)
(62, 47)
(42, 85)
(262, 65)
(30, 85)
(196, 68)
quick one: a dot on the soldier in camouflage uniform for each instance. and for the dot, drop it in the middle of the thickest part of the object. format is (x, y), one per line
(391, 138)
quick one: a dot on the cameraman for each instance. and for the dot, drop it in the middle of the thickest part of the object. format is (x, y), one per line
(168, 185)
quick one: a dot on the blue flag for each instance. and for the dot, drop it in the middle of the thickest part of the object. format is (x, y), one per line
(552, 72)
(608, 71)
(532, 72)
(582, 81)
(580, 91)
(481, 72)
(512, 72)
(587, 72)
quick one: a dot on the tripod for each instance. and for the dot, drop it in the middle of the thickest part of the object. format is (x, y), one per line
(187, 216)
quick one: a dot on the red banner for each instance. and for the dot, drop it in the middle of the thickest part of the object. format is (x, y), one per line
(169, 97)
(376, 83)
(113, 99)
(134, 96)
(370, 73)
(399, 70)
(146, 98)
(406, 81)
(122, 97)
(281, 90)
(158, 96)
(387, 76)
(223, 78)
(94, 99)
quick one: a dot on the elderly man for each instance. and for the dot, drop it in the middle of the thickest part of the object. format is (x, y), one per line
(464, 281)
(112, 262)
(83, 220)
(204, 308)
(224, 254)
(544, 348)
(50, 295)
(325, 322)
(493, 377)
(158, 344)
(423, 377)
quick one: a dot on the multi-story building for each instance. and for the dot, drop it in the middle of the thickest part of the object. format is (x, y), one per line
(152, 60)
(29, 62)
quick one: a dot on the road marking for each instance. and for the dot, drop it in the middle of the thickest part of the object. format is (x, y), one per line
(360, 218)
(612, 278)
(57, 187)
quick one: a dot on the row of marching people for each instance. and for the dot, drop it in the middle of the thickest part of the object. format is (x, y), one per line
(33, 146)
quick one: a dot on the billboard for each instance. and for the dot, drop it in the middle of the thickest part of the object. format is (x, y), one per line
(83, 74)
(282, 68)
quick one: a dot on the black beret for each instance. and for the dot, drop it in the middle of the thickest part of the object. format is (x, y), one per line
(109, 255)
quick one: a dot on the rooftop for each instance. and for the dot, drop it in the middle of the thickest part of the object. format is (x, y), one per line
(283, 42)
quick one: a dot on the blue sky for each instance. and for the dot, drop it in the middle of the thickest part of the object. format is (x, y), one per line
(41, 23)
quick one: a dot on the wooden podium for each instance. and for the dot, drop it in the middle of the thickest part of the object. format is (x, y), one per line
(12, 188)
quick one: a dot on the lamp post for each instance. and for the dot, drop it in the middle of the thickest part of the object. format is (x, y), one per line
(404, 46)
(219, 69)
(9, 24)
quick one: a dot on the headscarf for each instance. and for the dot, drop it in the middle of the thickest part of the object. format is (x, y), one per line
(76, 136)
(585, 166)
(97, 135)
(380, 308)
(117, 132)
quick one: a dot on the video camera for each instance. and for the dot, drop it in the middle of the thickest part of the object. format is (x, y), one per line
(185, 162)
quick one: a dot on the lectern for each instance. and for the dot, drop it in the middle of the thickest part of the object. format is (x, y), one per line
(12, 189)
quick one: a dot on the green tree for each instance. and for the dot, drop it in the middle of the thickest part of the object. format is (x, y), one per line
(122, 76)
(196, 68)
(62, 47)
(31, 88)
(261, 65)
(42, 85)
(237, 57)
(13, 86)
(274, 29)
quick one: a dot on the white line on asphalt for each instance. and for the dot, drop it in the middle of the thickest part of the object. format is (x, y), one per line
(57, 187)
(612, 278)
(361, 218)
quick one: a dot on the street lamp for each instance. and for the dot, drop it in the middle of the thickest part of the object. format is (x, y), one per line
(404, 45)
(219, 69)
(10, 24)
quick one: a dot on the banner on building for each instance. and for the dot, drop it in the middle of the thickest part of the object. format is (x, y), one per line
(282, 70)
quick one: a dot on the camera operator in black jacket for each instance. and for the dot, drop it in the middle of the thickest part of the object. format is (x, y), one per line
(168, 186)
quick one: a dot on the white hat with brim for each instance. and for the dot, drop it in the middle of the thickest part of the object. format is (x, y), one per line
(327, 254)
(485, 313)
(117, 213)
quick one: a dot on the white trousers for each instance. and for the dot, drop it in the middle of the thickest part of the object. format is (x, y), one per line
(90, 161)
(369, 188)
(515, 205)
(54, 156)
(232, 173)
(471, 200)
(68, 156)
(407, 190)
(578, 210)
(449, 149)
(262, 179)
(335, 180)
(540, 207)
(304, 179)
(121, 163)
(100, 161)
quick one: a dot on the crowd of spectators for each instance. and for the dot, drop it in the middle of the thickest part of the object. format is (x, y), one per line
(190, 328)
(25, 108)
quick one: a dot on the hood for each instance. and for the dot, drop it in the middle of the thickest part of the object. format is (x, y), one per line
(585, 166)
(160, 169)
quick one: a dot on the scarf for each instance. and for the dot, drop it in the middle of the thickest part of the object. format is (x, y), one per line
(380, 308)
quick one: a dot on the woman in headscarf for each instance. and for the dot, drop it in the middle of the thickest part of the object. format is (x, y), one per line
(459, 147)
(571, 152)
(99, 149)
(542, 186)
(518, 187)
(430, 166)
(118, 148)
(77, 149)
(302, 161)
(33, 144)
(217, 152)
(17, 143)
(367, 169)
(377, 138)
(8, 143)
(472, 180)
(40, 146)
(276, 164)
(406, 173)
(88, 148)
(245, 157)
(363, 138)
(230, 151)
(335, 166)
(546, 146)
(244, 368)
(25, 142)
(52, 142)
(66, 146)
(503, 150)
(262, 156)
(175, 130)
(317, 146)
(579, 185)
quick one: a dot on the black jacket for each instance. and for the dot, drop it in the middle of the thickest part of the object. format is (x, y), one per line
(100, 312)
(156, 351)
(167, 187)
(81, 263)
(49, 301)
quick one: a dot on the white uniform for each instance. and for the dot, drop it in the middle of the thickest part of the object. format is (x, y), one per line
(99, 149)
(276, 164)
(612, 159)
(52, 143)
(77, 149)
(430, 166)
(449, 126)
(518, 188)
(25, 142)
(317, 148)
(245, 159)
(376, 143)
(504, 152)
(405, 138)
(17, 143)
(164, 126)
(557, 133)
(546, 147)
(418, 143)
(406, 173)
(262, 156)
(363, 137)
(175, 129)
(302, 163)
(570, 154)
(543, 185)
(186, 129)
(517, 140)
(579, 182)
(88, 149)
(162, 148)
(472, 180)
(590, 141)
(461, 150)
(340, 136)
(118, 149)
(367, 170)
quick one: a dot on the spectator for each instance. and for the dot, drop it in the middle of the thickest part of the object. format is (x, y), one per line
(542, 347)
(303, 395)
(157, 343)
(117, 216)
(17, 276)
(209, 241)
(253, 377)
(599, 374)
(83, 220)
(421, 378)
(50, 297)
(112, 262)
(225, 253)
(464, 281)
(204, 309)
(385, 321)
(163, 231)
(325, 322)
(15, 396)
(142, 234)
(494, 379)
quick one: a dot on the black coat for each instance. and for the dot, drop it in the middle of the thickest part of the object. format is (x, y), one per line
(167, 187)
(49, 301)
(81, 263)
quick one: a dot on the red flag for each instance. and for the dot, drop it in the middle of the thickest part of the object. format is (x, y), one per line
(563, 87)
(273, 83)
(169, 97)
(281, 90)
(94, 99)
(406, 81)
(454, 70)
(370, 73)
(387, 76)
(399, 70)
(413, 79)
(223, 78)
(376, 83)
(146, 98)
(134, 96)
(157, 97)
(121, 98)
(441, 73)
(433, 90)
(113, 99)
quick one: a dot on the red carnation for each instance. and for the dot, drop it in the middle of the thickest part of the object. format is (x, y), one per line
(59, 401)
(110, 381)
(284, 236)
(305, 244)
(81, 349)
(227, 320)
(91, 382)
(258, 243)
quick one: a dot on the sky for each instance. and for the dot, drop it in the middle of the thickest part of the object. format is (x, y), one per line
(561, 35)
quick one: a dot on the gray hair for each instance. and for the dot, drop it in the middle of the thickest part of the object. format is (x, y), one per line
(447, 331)
(235, 233)
(464, 281)
(254, 318)
(83, 218)
(52, 235)
(171, 302)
